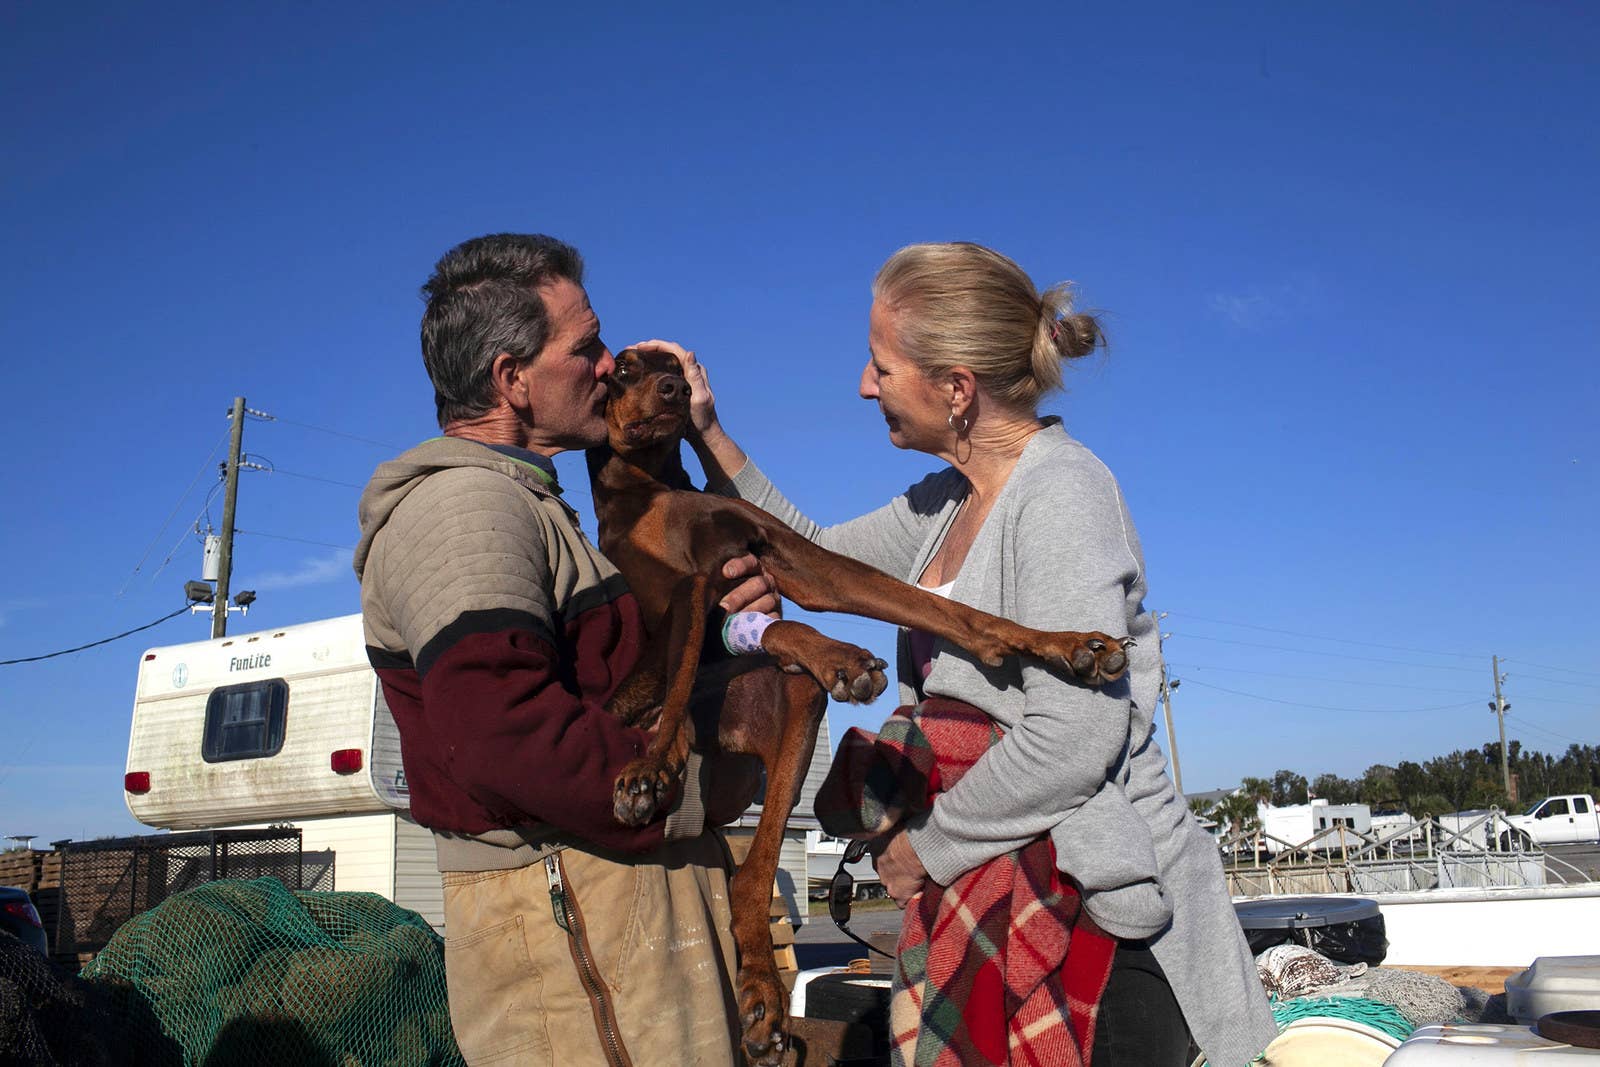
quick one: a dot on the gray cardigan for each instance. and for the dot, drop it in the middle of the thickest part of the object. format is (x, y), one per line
(1058, 552)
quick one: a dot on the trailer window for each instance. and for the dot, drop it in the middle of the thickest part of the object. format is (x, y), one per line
(245, 721)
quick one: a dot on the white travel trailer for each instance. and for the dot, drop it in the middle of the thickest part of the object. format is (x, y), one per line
(290, 726)
(1316, 825)
(282, 727)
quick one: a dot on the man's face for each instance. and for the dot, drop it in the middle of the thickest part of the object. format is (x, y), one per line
(565, 382)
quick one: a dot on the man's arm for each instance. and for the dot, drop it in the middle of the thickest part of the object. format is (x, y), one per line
(523, 733)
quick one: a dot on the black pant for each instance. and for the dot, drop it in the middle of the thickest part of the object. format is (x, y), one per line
(1139, 1024)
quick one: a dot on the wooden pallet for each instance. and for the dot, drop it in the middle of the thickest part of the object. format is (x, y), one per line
(777, 915)
(20, 868)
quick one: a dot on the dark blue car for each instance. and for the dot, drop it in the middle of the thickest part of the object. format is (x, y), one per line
(19, 918)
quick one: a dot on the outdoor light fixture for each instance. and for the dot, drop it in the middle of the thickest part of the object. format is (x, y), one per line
(198, 592)
(245, 598)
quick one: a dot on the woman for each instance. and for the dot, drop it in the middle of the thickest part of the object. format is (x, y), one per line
(1027, 523)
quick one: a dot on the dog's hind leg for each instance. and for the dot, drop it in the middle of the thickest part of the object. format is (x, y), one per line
(786, 750)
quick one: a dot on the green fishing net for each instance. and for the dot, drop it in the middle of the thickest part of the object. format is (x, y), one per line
(249, 972)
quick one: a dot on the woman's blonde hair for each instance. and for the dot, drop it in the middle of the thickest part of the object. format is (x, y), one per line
(964, 305)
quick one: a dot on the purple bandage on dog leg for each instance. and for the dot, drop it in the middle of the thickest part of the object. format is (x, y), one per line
(741, 632)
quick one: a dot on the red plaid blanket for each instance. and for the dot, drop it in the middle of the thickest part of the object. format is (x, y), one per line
(983, 975)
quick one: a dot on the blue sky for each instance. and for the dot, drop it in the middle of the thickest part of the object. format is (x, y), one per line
(1346, 256)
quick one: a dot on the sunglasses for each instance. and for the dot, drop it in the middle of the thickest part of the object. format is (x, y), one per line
(842, 890)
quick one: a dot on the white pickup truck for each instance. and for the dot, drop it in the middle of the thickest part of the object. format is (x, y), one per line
(1557, 820)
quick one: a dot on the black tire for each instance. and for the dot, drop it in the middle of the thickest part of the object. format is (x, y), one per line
(848, 998)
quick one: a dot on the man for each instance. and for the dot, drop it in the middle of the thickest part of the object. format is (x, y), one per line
(498, 632)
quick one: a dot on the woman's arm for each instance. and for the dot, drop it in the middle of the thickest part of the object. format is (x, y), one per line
(889, 538)
(1077, 568)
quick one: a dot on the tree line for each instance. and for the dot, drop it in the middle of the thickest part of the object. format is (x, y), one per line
(1460, 781)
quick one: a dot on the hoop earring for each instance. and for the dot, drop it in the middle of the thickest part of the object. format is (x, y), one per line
(966, 424)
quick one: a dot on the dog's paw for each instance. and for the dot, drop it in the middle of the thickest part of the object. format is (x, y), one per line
(763, 1009)
(641, 789)
(1094, 658)
(860, 681)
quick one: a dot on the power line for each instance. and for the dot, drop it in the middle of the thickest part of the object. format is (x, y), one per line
(1334, 655)
(1324, 637)
(315, 478)
(1547, 667)
(1522, 722)
(296, 540)
(1312, 678)
(1350, 681)
(194, 528)
(92, 644)
(264, 417)
(1557, 681)
(255, 462)
(1326, 707)
(175, 508)
(1378, 644)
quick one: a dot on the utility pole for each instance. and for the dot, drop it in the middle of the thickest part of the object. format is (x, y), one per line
(1500, 707)
(1167, 686)
(219, 606)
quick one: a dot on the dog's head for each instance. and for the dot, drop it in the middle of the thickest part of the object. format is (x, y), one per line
(648, 404)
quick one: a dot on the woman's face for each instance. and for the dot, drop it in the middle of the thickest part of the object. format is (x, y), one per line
(916, 410)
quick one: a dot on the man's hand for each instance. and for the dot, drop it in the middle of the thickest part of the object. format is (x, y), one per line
(757, 592)
(899, 868)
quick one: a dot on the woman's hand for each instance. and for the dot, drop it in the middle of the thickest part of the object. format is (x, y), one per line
(899, 868)
(702, 404)
(719, 454)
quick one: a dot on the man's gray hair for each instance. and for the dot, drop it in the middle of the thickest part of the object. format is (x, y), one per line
(483, 300)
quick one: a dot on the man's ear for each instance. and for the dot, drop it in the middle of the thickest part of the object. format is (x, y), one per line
(507, 380)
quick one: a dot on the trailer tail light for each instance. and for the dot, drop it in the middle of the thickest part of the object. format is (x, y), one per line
(345, 761)
(22, 910)
(136, 782)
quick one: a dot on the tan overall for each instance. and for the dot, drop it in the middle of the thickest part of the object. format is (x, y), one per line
(658, 935)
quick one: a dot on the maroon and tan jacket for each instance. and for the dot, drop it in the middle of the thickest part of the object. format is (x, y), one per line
(498, 632)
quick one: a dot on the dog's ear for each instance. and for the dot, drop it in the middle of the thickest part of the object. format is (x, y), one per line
(597, 457)
(674, 476)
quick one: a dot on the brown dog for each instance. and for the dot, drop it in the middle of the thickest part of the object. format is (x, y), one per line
(670, 543)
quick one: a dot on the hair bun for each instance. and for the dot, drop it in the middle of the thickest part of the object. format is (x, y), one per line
(1076, 335)
(1071, 334)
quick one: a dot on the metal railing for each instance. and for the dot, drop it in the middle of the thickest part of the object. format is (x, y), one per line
(1485, 851)
(107, 882)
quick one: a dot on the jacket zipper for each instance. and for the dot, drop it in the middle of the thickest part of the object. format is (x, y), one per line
(567, 915)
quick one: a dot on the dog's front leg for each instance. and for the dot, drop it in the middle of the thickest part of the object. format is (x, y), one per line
(647, 781)
(819, 580)
(850, 673)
